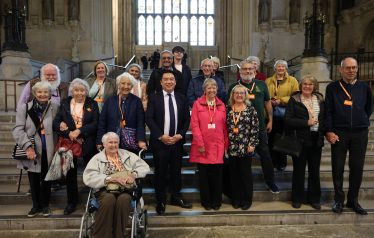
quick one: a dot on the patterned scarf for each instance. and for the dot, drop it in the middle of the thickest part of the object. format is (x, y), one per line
(39, 109)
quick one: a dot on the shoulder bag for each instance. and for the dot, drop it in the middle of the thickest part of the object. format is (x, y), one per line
(117, 188)
(288, 145)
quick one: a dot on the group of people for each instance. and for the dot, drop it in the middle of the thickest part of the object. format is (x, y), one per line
(154, 59)
(92, 112)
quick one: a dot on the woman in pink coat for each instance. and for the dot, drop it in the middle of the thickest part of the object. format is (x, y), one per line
(209, 144)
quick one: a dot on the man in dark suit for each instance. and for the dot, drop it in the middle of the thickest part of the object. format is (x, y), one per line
(144, 60)
(156, 58)
(168, 118)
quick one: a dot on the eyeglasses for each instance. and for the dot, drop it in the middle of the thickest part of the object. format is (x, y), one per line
(166, 58)
(308, 84)
(239, 93)
(250, 69)
(351, 68)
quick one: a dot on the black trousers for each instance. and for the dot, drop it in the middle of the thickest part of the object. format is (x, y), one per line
(241, 180)
(87, 158)
(156, 64)
(356, 143)
(210, 179)
(263, 151)
(40, 189)
(279, 160)
(162, 157)
(72, 184)
(311, 154)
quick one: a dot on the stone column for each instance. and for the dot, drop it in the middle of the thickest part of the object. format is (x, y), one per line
(317, 67)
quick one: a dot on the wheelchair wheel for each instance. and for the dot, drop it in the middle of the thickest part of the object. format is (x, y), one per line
(88, 225)
(143, 223)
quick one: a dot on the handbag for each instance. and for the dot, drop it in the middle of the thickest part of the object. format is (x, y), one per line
(127, 137)
(74, 146)
(279, 112)
(288, 145)
(118, 188)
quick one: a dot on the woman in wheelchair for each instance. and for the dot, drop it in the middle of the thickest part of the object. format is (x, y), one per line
(114, 208)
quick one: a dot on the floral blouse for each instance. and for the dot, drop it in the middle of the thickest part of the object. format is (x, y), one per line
(112, 168)
(248, 131)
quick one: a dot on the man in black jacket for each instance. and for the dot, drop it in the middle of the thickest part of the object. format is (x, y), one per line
(154, 84)
(144, 60)
(156, 58)
(348, 109)
(181, 67)
(168, 119)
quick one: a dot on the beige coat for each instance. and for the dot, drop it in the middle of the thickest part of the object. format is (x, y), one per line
(110, 87)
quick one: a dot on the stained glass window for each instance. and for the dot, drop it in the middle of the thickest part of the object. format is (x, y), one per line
(167, 26)
(184, 29)
(189, 21)
(149, 30)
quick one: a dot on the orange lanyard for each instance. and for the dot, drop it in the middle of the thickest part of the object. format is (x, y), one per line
(248, 88)
(214, 111)
(120, 108)
(100, 86)
(42, 131)
(76, 118)
(233, 115)
(349, 96)
(276, 87)
(116, 162)
(307, 105)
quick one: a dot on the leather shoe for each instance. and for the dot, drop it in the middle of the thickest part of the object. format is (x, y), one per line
(245, 207)
(316, 206)
(216, 208)
(338, 207)
(69, 209)
(235, 206)
(160, 209)
(357, 208)
(281, 168)
(296, 204)
(208, 208)
(181, 203)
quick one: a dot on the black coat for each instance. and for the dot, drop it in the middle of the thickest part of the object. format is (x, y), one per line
(219, 73)
(297, 116)
(187, 76)
(154, 84)
(89, 127)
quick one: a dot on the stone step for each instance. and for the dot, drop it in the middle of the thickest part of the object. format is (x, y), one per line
(260, 213)
(7, 126)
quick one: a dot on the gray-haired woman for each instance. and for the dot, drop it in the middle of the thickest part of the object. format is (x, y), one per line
(140, 88)
(35, 119)
(77, 120)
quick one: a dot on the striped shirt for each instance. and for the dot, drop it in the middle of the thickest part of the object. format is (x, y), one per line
(315, 109)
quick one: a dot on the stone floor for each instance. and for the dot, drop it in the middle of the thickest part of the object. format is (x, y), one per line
(301, 231)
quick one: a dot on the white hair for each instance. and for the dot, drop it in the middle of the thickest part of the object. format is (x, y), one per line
(341, 63)
(254, 58)
(280, 62)
(128, 76)
(202, 62)
(58, 81)
(41, 85)
(246, 61)
(109, 135)
(79, 82)
(166, 51)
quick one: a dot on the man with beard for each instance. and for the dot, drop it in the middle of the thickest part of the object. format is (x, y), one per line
(49, 73)
(259, 97)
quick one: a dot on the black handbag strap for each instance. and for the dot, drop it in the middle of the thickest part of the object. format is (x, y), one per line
(284, 132)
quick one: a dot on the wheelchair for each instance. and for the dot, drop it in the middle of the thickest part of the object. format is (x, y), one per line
(139, 215)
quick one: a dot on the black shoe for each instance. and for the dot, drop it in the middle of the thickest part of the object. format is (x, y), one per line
(47, 212)
(245, 207)
(208, 208)
(296, 204)
(181, 203)
(279, 168)
(69, 209)
(160, 209)
(316, 206)
(216, 208)
(34, 211)
(338, 207)
(235, 206)
(357, 208)
(55, 185)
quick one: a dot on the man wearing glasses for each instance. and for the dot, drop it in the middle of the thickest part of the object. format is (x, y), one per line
(348, 109)
(154, 82)
(259, 97)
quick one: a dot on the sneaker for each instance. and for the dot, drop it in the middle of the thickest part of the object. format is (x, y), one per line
(47, 212)
(34, 211)
(272, 187)
(28, 193)
(55, 185)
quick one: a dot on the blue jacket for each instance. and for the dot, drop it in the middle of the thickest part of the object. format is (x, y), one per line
(110, 117)
(353, 118)
(195, 89)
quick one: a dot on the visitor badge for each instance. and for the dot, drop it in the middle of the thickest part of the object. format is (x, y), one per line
(348, 103)
(211, 126)
(251, 96)
(78, 125)
(275, 97)
(99, 100)
(123, 123)
(236, 130)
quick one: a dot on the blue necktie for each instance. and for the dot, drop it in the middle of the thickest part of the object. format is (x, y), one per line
(172, 116)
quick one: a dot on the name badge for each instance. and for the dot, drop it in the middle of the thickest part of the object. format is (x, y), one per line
(122, 123)
(236, 130)
(348, 103)
(211, 126)
(99, 100)
(275, 97)
(42, 132)
(78, 125)
(251, 96)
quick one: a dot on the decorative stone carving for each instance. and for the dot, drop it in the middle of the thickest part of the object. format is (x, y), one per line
(267, 48)
(294, 27)
(295, 11)
(279, 23)
(48, 24)
(264, 26)
(263, 11)
(73, 10)
(344, 17)
(348, 14)
(48, 10)
(34, 21)
(74, 24)
(60, 21)
(74, 50)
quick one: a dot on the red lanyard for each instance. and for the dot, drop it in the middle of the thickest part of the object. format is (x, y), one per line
(248, 88)
(307, 105)
(233, 115)
(76, 118)
(116, 162)
(214, 110)
(349, 96)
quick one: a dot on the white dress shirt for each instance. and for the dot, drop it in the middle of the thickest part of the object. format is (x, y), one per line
(167, 112)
